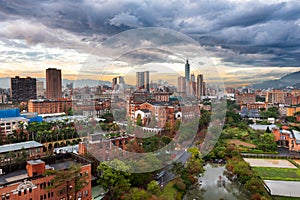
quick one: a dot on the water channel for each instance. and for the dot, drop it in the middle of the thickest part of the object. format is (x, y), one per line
(213, 185)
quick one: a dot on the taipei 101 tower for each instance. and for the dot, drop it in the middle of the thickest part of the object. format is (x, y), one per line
(187, 71)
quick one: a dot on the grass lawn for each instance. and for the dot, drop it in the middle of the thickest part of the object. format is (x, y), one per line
(283, 174)
(169, 192)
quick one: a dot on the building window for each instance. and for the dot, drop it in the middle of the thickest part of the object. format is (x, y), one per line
(45, 196)
(79, 194)
(41, 197)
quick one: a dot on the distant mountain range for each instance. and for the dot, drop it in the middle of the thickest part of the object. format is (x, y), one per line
(5, 82)
(292, 79)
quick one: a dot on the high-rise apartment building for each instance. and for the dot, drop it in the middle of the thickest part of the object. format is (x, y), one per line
(181, 83)
(147, 81)
(53, 83)
(143, 80)
(22, 89)
(205, 89)
(118, 83)
(187, 71)
(193, 78)
(200, 86)
(40, 91)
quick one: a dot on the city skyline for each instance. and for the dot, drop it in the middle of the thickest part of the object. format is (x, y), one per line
(244, 39)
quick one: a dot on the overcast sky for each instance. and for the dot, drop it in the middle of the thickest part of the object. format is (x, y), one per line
(252, 40)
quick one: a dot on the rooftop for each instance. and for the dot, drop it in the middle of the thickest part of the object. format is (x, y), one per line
(262, 127)
(13, 119)
(35, 162)
(57, 162)
(145, 110)
(296, 135)
(19, 146)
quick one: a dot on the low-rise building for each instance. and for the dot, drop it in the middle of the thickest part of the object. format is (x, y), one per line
(30, 180)
(9, 124)
(287, 138)
(45, 106)
(290, 111)
(245, 98)
(31, 149)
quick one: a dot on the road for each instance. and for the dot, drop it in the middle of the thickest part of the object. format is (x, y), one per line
(168, 175)
(282, 152)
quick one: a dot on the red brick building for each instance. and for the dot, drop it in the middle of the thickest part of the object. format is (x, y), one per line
(47, 106)
(287, 138)
(245, 98)
(33, 184)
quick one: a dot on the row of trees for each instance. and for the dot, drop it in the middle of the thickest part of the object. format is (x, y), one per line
(237, 168)
(116, 179)
(186, 175)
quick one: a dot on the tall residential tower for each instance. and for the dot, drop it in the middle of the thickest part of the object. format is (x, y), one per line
(22, 89)
(53, 83)
(200, 87)
(143, 80)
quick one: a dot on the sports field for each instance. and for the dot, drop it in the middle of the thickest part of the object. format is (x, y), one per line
(254, 162)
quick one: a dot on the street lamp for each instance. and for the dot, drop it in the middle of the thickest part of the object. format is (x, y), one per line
(162, 181)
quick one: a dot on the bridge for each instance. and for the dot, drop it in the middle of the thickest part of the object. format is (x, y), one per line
(49, 146)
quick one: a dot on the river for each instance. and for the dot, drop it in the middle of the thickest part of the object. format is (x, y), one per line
(213, 185)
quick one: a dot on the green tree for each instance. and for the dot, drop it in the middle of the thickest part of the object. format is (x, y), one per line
(137, 194)
(114, 178)
(108, 117)
(271, 112)
(139, 121)
(195, 162)
(267, 142)
(70, 112)
(153, 187)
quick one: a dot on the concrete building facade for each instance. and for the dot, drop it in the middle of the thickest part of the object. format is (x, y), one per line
(22, 89)
(53, 83)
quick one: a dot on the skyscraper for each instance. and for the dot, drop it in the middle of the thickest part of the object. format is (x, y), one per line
(22, 89)
(140, 80)
(193, 78)
(114, 83)
(146, 81)
(53, 83)
(187, 71)
(143, 80)
(181, 83)
(118, 83)
(199, 88)
(40, 91)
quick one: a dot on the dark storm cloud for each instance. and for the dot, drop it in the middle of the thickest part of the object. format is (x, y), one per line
(250, 32)
(144, 56)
